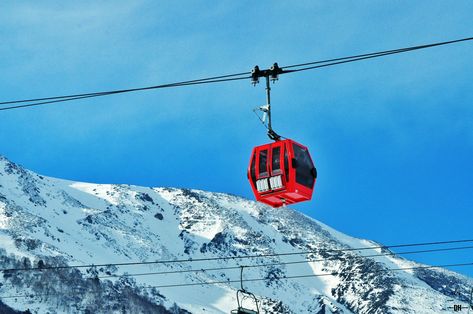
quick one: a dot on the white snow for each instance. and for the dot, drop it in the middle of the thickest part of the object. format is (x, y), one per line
(92, 223)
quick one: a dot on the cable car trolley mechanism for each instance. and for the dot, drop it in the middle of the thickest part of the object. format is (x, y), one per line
(281, 172)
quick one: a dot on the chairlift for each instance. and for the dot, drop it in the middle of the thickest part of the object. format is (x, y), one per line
(243, 294)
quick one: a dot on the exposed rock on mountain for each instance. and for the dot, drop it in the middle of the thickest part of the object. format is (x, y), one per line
(47, 222)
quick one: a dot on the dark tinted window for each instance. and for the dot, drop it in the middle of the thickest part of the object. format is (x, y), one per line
(304, 173)
(253, 169)
(286, 164)
(276, 159)
(263, 158)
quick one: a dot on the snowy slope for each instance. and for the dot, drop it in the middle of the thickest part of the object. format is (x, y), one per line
(69, 223)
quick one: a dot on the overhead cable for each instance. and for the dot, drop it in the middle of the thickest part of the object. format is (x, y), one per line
(223, 78)
(226, 282)
(308, 276)
(56, 99)
(237, 257)
(335, 61)
(308, 260)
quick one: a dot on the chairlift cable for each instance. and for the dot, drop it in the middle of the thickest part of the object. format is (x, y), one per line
(310, 275)
(205, 283)
(238, 257)
(307, 260)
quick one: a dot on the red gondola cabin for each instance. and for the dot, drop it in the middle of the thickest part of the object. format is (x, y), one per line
(282, 173)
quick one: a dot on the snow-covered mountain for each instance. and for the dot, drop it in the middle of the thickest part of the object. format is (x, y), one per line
(47, 222)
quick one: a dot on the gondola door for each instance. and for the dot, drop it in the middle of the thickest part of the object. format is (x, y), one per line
(269, 172)
(277, 180)
(262, 169)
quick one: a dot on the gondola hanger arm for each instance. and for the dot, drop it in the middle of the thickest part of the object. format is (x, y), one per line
(271, 74)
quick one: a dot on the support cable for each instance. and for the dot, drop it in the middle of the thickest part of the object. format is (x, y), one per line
(32, 102)
(238, 257)
(308, 260)
(311, 275)
(226, 282)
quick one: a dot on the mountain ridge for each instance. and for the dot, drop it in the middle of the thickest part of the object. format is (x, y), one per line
(63, 222)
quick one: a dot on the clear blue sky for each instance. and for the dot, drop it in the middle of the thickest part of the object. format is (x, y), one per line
(392, 138)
